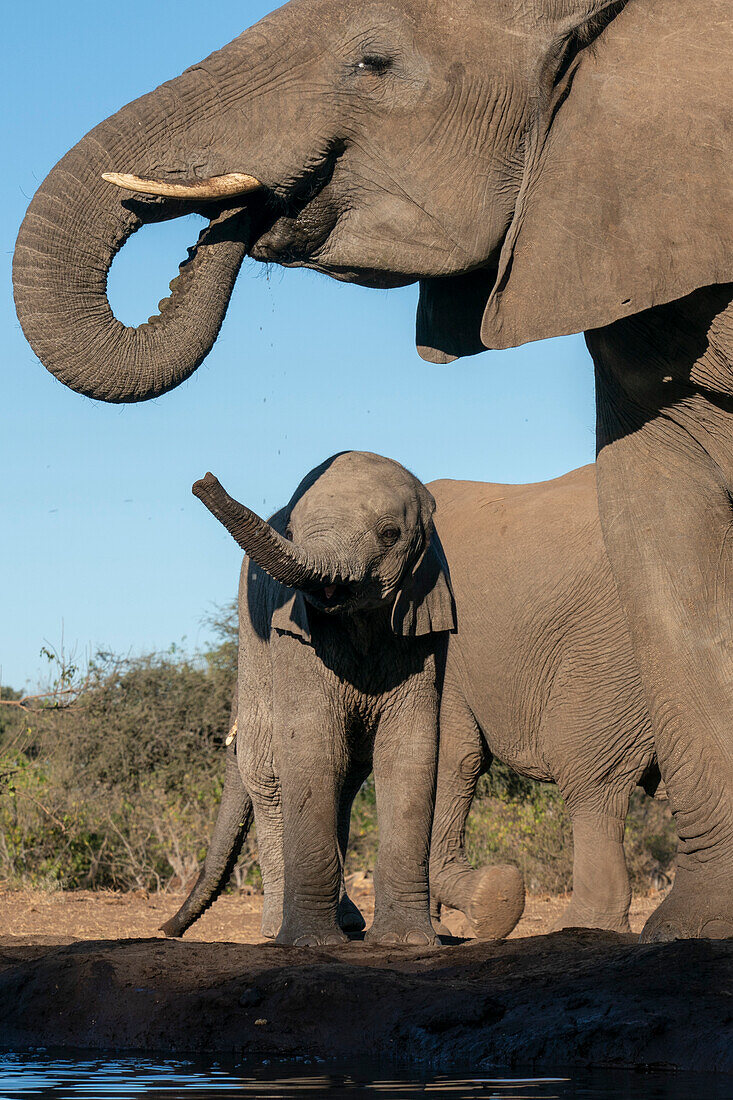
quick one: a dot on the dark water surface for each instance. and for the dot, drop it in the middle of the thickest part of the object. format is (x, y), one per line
(117, 1078)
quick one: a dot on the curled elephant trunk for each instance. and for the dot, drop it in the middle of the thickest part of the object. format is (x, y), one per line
(232, 826)
(281, 559)
(77, 222)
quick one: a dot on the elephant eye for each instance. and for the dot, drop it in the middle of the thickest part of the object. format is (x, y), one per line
(288, 533)
(375, 63)
(389, 535)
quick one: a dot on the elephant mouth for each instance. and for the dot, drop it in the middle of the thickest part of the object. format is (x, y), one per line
(344, 599)
(292, 226)
(296, 220)
(332, 597)
(289, 226)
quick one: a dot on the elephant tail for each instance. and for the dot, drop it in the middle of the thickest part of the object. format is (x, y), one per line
(232, 825)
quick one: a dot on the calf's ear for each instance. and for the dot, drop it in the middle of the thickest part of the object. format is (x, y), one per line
(291, 616)
(424, 603)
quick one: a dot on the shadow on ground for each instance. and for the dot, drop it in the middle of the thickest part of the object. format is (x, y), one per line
(574, 998)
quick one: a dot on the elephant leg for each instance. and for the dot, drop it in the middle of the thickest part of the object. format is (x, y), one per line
(269, 825)
(601, 891)
(491, 897)
(264, 789)
(312, 762)
(349, 915)
(405, 759)
(665, 490)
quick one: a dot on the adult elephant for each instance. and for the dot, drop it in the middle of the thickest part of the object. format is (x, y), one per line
(543, 167)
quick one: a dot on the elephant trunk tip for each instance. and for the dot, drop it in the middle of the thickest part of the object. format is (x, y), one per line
(214, 496)
(171, 929)
(205, 486)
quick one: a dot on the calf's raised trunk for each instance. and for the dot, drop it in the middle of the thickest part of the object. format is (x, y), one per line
(291, 565)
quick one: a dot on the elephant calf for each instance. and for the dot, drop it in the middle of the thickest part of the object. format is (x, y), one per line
(343, 617)
(540, 673)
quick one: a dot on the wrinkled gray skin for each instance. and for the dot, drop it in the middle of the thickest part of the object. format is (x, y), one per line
(540, 674)
(542, 167)
(339, 666)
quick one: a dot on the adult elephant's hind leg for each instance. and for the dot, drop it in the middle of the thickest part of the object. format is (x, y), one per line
(601, 891)
(665, 484)
(491, 897)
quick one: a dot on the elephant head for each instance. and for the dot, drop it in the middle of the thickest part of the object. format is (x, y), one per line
(356, 536)
(534, 163)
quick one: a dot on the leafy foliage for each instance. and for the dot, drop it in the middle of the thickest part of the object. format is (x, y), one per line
(518, 820)
(113, 779)
(119, 789)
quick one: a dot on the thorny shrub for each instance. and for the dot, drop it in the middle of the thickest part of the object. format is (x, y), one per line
(521, 821)
(119, 787)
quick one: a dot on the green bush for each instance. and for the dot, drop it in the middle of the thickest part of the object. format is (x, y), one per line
(521, 821)
(120, 788)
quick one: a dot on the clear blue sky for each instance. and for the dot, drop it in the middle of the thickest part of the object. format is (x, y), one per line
(100, 531)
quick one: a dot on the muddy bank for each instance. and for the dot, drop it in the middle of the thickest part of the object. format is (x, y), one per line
(573, 998)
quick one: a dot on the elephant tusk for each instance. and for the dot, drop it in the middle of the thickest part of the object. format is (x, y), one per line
(215, 187)
(231, 735)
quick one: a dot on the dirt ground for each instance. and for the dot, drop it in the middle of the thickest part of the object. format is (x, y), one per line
(86, 915)
(573, 998)
(89, 971)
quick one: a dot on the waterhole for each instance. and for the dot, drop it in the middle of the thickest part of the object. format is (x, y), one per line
(41, 1074)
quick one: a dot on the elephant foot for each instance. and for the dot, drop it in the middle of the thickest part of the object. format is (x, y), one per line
(580, 916)
(172, 929)
(697, 907)
(439, 928)
(305, 935)
(349, 916)
(494, 900)
(410, 929)
(272, 916)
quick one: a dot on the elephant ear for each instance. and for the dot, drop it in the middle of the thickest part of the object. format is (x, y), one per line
(626, 200)
(629, 203)
(425, 604)
(290, 614)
